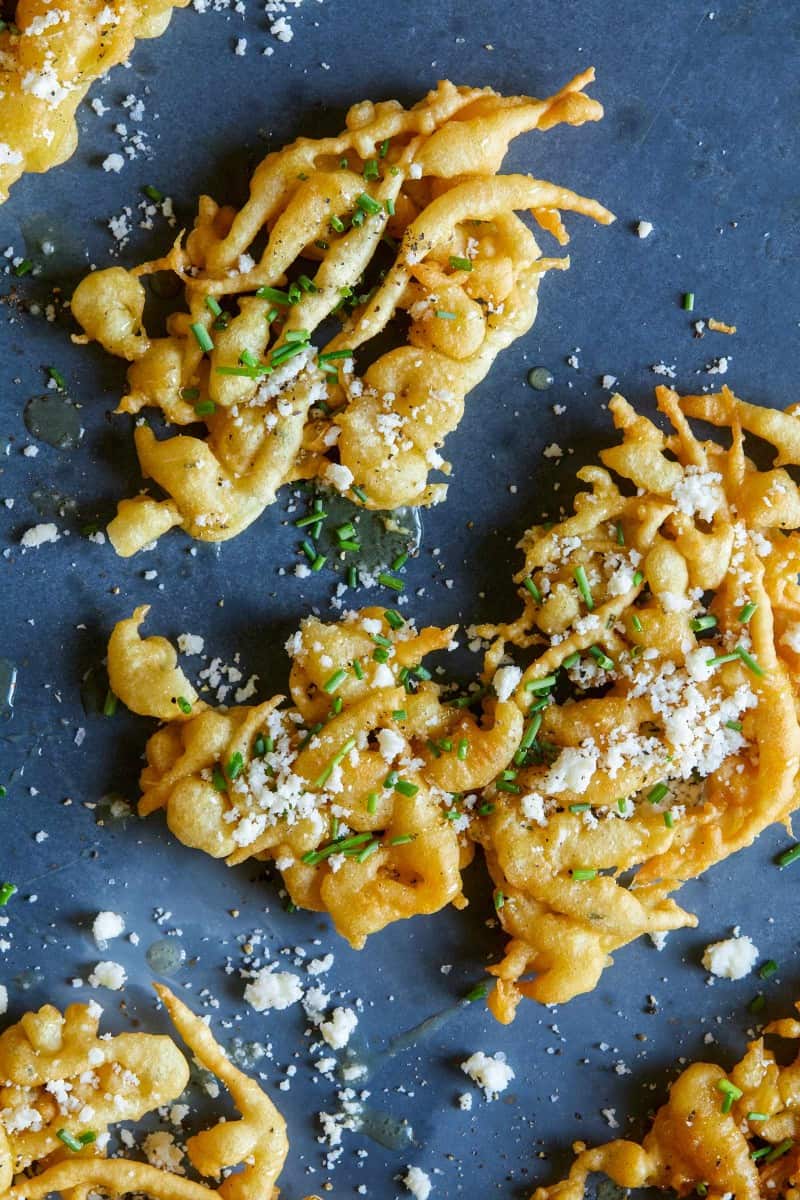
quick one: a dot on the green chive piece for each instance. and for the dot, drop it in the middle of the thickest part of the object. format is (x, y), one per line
(202, 336)
(533, 589)
(391, 779)
(331, 766)
(331, 684)
(767, 969)
(57, 378)
(337, 706)
(579, 808)
(190, 394)
(336, 224)
(204, 408)
(572, 660)
(530, 731)
(109, 704)
(367, 204)
(312, 519)
(296, 335)
(359, 493)
(657, 793)
(735, 725)
(789, 856)
(334, 355)
(153, 193)
(218, 779)
(275, 295)
(460, 264)
(389, 206)
(669, 820)
(393, 618)
(7, 890)
(371, 169)
(749, 661)
(400, 561)
(23, 268)
(485, 809)
(248, 359)
(235, 764)
(463, 749)
(601, 658)
(620, 533)
(719, 659)
(184, 705)
(372, 802)
(402, 839)
(213, 306)
(405, 788)
(584, 874)
(688, 301)
(729, 1089)
(87, 1138)
(319, 562)
(747, 612)
(779, 1150)
(757, 1116)
(389, 581)
(757, 1154)
(638, 578)
(399, 714)
(368, 850)
(636, 623)
(383, 149)
(540, 685)
(579, 575)
(698, 624)
(445, 314)
(498, 899)
(69, 1140)
(479, 992)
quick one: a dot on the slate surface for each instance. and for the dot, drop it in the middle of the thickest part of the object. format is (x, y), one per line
(701, 139)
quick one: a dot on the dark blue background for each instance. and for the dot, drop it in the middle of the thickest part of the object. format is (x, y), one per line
(700, 138)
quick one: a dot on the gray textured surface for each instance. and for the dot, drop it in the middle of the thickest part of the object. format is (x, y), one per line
(700, 138)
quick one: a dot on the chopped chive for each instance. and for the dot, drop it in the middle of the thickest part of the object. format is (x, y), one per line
(572, 659)
(779, 1150)
(309, 550)
(334, 355)
(235, 764)
(348, 545)
(747, 612)
(371, 169)
(337, 706)
(296, 335)
(601, 658)
(688, 301)
(540, 685)
(248, 359)
(288, 350)
(698, 624)
(57, 378)
(584, 874)
(701, 1189)
(620, 533)
(260, 746)
(444, 314)
(380, 654)
(767, 969)
(247, 372)
(189, 394)
(479, 992)
(533, 589)
(757, 1116)
(295, 293)
(391, 779)
(336, 224)
(69, 1140)
(23, 268)
(485, 809)
(87, 1138)
(405, 788)
(729, 1089)
(204, 408)
(422, 672)
(638, 577)
(273, 294)
(312, 519)
(213, 305)
(636, 623)
(498, 899)
(270, 315)
(735, 725)
(789, 856)
(579, 808)
(109, 704)
(402, 839)
(434, 749)
(505, 785)
(372, 802)
(358, 670)
(389, 206)
(218, 779)
(359, 493)
(719, 659)
(400, 561)
(7, 890)
(338, 845)
(380, 639)
(383, 149)
(367, 204)
(758, 1003)
(367, 852)
(352, 577)
(622, 804)
(463, 749)
(389, 581)
(202, 336)
(393, 618)
(399, 714)
(331, 684)
(446, 744)
(333, 763)
(669, 820)
(346, 531)
(322, 245)
(460, 264)
(657, 793)
(757, 1154)
(750, 662)
(319, 562)
(579, 575)
(530, 732)
(153, 193)
(184, 705)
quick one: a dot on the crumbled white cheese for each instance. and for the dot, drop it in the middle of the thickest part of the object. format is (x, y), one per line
(492, 1073)
(731, 959)
(107, 925)
(505, 681)
(113, 162)
(644, 229)
(338, 476)
(572, 770)
(162, 1152)
(39, 535)
(418, 1183)
(390, 744)
(337, 1030)
(190, 643)
(791, 637)
(3, 1000)
(273, 989)
(109, 975)
(699, 493)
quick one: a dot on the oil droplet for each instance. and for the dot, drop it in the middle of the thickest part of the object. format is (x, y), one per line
(385, 1129)
(165, 956)
(54, 419)
(540, 378)
(29, 978)
(8, 687)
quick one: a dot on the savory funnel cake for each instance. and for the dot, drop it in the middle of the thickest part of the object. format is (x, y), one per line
(360, 792)
(400, 222)
(64, 1086)
(49, 58)
(661, 729)
(719, 1134)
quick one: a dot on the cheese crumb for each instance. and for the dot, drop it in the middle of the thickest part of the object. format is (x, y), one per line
(109, 975)
(731, 959)
(337, 1030)
(107, 925)
(644, 229)
(505, 681)
(273, 989)
(493, 1074)
(418, 1183)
